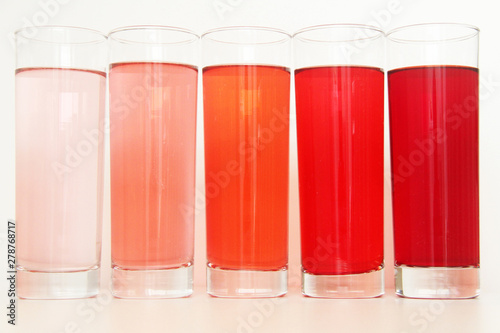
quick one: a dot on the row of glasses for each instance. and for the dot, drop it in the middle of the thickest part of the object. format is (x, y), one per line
(339, 96)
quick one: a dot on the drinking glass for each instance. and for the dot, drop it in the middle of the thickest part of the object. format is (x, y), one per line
(339, 91)
(60, 102)
(153, 90)
(246, 88)
(433, 104)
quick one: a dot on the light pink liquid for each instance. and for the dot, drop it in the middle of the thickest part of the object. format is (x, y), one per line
(152, 130)
(59, 168)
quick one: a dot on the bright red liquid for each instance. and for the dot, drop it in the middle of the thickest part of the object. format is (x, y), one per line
(246, 166)
(434, 143)
(340, 131)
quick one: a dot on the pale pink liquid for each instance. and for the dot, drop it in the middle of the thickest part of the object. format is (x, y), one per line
(152, 131)
(59, 168)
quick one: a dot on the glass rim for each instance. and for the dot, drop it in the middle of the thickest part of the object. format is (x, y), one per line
(112, 34)
(100, 37)
(285, 35)
(473, 32)
(379, 32)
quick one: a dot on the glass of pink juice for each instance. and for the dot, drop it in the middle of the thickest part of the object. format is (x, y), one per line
(60, 102)
(153, 91)
(433, 105)
(339, 92)
(246, 91)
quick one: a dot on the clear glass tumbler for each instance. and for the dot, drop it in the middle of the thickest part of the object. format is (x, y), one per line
(153, 92)
(60, 102)
(246, 92)
(339, 91)
(433, 105)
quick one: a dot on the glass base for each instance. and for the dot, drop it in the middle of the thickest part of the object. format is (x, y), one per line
(437, 282)
(57, 285)
(155, 283)
(246, 284)
(364, 285)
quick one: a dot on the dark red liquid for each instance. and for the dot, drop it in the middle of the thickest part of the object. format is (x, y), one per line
(340, 125)
(434, 143)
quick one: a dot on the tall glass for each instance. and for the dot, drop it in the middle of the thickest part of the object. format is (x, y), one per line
(153, 89)
(433, 101)
(339, 91)
(246, 88)
(60, 102)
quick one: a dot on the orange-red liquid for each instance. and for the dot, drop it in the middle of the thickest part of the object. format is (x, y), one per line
(152, 133)
(246, 165)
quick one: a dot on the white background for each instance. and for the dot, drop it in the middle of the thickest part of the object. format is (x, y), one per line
(293, 313)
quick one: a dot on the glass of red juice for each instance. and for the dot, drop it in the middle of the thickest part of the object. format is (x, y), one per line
(246, 92)
(339, 92)
(433, 107)
(153, 93)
